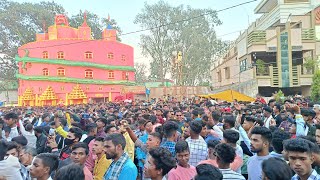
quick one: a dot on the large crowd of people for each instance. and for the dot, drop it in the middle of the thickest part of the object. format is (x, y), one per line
(198, 139)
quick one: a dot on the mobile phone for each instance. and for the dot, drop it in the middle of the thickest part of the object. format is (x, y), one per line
(51, 132)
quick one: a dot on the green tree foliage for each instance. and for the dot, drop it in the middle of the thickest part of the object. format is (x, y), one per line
(19, 23)
(315, 87)
(141, 70)
(180, 29)
(96, 23)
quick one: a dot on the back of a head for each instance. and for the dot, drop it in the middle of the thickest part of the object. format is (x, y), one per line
(231, 136)
(278, 137)
(169, 128)
(196, 126)
(163, 159)
(21, 140)
(207, 171)
(116, 139)
(225, 153)
(213, 143)
(272, 166)
(70, 172)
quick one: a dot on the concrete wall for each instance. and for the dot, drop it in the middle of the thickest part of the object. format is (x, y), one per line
(13, 96)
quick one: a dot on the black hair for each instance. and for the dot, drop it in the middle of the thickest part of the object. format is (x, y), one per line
(11, 115)
(231, 136)
(76, 131)
(163, 159)
(81, 145)
(298, 145)
(264, 132)
(38, 129)
(7, 129)
(116, 139)
(317, 126)
(215, 116)
(230, 119)
(169, 128)
(49, 160)
(208, 172)
(278, 137)
(225, 153)
(29, 127)
(249, 119)
(99, 138)
(315, 148)
(21, 140)
(108, 127)
(278, 106)
(104, 120)
(181, 146)
(70, 172)
(141, 122)
(157, 135)
(272, 166)
(213, 143)
(196, 126)
(90, 127)
(110, 119)
(12, 145)
(3, 149)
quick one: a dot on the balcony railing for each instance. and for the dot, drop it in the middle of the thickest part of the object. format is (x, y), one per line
(257, 37)
(308, 34)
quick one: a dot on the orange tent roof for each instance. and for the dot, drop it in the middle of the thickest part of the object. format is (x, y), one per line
(230, 95)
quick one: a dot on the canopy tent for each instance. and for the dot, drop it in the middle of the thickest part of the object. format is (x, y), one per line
(229, 95)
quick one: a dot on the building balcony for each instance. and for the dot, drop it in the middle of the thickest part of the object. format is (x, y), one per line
(257, 37)
(308, 34)
(270, 77)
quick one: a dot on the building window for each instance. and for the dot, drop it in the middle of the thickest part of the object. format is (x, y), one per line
(45, 72)
(88, 55)
(227, 72)
(45, 55)
(243, 65)
(125, 75)
(100, 88)
(219, 76)
(62, 88)
(60, 55)
(61, 72)
(123, 58)
(110, 75)
(88, 74)
(110, 55)
(87, 88)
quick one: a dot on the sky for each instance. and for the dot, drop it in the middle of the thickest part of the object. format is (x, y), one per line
(124, 12)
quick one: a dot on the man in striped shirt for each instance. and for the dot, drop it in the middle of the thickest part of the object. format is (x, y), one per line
(225, 155)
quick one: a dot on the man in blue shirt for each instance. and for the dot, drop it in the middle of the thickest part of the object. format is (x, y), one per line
(170, 130)
(122, 167)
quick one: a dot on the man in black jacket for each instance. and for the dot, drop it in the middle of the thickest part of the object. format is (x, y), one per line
(41, 139)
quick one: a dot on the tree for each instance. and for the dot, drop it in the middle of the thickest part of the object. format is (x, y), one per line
(315, 87)
(180, 29)
(96, 23)
(18, 25)
(140, 73)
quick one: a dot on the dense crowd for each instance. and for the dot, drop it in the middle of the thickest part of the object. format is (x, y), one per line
(199, 139)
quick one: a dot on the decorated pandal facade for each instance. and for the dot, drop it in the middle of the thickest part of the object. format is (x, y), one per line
(49, 97)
